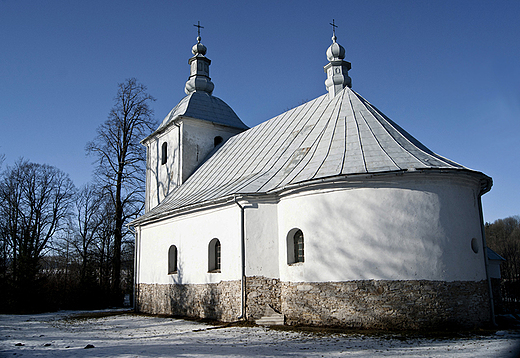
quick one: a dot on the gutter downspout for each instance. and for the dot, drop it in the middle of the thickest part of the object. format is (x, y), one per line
(135, 267)
(484, 244)
(138, 271)
(243, 263)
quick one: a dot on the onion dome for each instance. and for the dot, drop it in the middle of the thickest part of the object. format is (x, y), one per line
(335, 51)
(337, 69)
(199, 79)
(198, 48)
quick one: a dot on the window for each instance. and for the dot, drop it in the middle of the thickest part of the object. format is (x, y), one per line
(214, 256)
(172, 259)
(295, 247)
(164, 154)
(298, 246)
(474, 245)
(217, 140)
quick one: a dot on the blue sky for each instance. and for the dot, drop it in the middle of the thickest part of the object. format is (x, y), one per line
(446, 71)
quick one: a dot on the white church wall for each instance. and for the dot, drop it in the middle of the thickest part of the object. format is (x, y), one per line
(162, 178)
(198, 141)
(261, 239)
(191, 235)
(412, 228)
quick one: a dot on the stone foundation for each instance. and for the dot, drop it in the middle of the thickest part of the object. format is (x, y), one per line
(262, 292)
(354, 304)
(218, 301)
(387, 304)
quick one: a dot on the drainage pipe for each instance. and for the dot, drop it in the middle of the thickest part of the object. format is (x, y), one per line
(136, 265)
(242, 263)
(484, 245)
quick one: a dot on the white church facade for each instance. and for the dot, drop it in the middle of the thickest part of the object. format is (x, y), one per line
(329, 214)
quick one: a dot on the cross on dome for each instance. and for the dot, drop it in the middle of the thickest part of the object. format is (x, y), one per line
(198, 30)
(198, 48)
(333, 30)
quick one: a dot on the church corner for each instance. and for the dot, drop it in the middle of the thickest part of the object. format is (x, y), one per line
(329, 214)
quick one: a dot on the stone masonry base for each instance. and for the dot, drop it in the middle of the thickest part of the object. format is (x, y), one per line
(218, 301)
(366, 304)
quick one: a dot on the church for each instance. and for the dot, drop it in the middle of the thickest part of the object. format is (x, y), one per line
(329, 214)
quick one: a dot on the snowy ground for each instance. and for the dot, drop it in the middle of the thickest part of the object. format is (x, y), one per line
(128, 335)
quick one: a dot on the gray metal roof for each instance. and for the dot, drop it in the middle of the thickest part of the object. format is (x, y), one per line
(322, 138)
(202, 105)
(492, 255)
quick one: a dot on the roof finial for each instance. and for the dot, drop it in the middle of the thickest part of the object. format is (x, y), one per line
(337, 68)
(333, 30)
(198, 30)
(199, 68)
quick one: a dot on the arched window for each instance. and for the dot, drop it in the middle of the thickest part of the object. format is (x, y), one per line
(164, 154)
(172, 259)
(217, 140)
(295, 246)
(214, 256)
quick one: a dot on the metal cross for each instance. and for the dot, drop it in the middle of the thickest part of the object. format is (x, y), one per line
(333, 27)
(198, 28)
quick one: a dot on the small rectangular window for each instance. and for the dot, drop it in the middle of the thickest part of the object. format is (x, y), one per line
(214, 251)
(172, 260)
(164, 154)
(295, 247)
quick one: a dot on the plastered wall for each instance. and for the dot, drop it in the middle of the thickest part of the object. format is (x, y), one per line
(162, 178)
(410, 228)
(191, 235)
(198, 141)
(417, 228)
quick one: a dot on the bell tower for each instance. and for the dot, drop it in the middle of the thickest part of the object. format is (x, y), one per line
(197, 126)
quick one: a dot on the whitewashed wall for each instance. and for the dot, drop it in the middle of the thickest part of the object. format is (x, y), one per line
(198, 141)
(262, 239)
(191, 234)
(416, 227)
(412, 228)
(162, 178)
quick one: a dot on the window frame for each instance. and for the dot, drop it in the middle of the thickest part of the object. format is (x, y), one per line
(164, 153)
(295, 247)
(299, 249)
(214, 256)
(217, 140)
(172, 260)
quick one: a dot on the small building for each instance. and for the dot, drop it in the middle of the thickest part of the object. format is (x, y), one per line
(329, 214)
(494, 261)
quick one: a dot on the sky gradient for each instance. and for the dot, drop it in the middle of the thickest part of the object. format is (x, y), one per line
(446, 71)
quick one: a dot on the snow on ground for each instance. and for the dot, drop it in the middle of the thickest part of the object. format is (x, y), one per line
(128, 335)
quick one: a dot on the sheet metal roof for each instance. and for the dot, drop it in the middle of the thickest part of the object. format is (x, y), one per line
(202, 105)
(492, 255)
(322, 138)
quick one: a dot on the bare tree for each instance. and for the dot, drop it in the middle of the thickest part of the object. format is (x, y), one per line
(87, 220)
(78, 271)
(121, 166)
(36, 200)
(104, 246)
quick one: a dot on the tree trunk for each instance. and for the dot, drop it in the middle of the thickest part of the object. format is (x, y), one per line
(117, 299)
